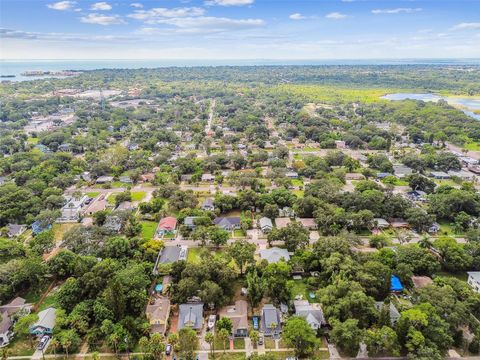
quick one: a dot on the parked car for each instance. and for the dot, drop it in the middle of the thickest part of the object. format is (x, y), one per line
(168, 349)
(43, 342)
(260, 340)
(211, 322)
(255, 322)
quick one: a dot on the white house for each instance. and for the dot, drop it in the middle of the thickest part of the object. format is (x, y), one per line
(72, 210)
(474, 280)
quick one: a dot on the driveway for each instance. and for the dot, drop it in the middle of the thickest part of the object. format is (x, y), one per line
(38, 354)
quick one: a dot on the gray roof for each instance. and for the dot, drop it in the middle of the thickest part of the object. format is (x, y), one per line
(265, 223)
(270, 316)
(393, 312)
(475, 275)
(227, 222)
(274, 254)
(15, 229)
(5, 322)
(171, 254)
(190, 315)
(311, 312)
(46, 319)
(208, 203)
(190, 220)
(113, 223)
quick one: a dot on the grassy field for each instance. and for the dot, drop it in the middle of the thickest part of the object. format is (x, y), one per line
(239, 343)
(297, 182)
(473, 146)
(333, 94)
(299, 193)
(148, 229)
(93, 194)
(299, 287)
(228, 356)
(138, 195)
(60, 229)
(20, 346)
(446, 229)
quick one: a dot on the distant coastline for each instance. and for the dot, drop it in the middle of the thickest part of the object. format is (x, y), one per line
(17, 67)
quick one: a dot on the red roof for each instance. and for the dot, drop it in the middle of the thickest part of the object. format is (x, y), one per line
(168, 223)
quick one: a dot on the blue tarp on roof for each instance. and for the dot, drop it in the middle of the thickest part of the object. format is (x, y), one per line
(396, 284)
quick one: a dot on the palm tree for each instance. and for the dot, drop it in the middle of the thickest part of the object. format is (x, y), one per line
(254, 336)
(66, 346)
(114, 339)
(223, 336)
(425, 242)
(54, 343)
(210, 339)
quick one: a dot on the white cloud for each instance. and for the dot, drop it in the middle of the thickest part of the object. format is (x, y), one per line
(101, 6)
(396, 11)
(202, 25)
(297, 16)
(467, 26)
(62, 5)
(136, 5)
(101, 19)
(52, 36)
(336, 16)
(229, 2)
(154, 15)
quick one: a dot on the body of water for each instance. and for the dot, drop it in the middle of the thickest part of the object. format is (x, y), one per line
(467, 105)
(16, 67)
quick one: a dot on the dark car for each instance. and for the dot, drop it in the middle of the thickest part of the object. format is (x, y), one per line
(168, 349)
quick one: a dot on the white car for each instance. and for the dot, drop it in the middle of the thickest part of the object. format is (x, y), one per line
(211, 322)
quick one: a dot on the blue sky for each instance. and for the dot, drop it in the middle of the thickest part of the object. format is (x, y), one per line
(239, 29)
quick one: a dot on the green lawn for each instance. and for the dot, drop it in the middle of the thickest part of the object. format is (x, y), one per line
(299, 287)
(281, 355)
(119, 184)
(20, 346)
(219, 344)
(228, 356)
(269, 343)
(299, 193)
(194, 255)
(148, 229)
(239, 343)
(460, 276)
(138, 195)
(297, 182)
(93, 194)
(32, 140)
(111, 199)
(447, 229)
(60, 229)
(238, 233)
(49, 301)
(473, 146)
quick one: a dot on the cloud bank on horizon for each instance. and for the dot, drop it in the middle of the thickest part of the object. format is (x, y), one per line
(239, 29)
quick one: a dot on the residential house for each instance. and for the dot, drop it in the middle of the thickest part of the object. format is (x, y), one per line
(463, 175)
(228, 223)
(398, 223)
(189, 222)
(14, 230)
(73, 208)
(474, 280)
(5, 325)
(354, 176)
(45, 323)
(309, 223)
(401, 171)
(312, 313)
(282, 222)
(104, 179)
(125, 206)
(392, 311)
(38, 227)
(16, 305)
(99, 205)
(381, 223)
(170, 254)
(291, 174)
(265, 224)
(286, 212)
(274, 255)
(125, 179)
(157, 314)
(340, 144)
(270, 323)
(113, 223)
(65, 147)
(148, 177)
(186, 177)
(439, 175)
(167, 225)
(417, 195)
(434, 228)
(208, 178)
(190, 315)
(238, 314)
(208, 205)
(382, 175)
